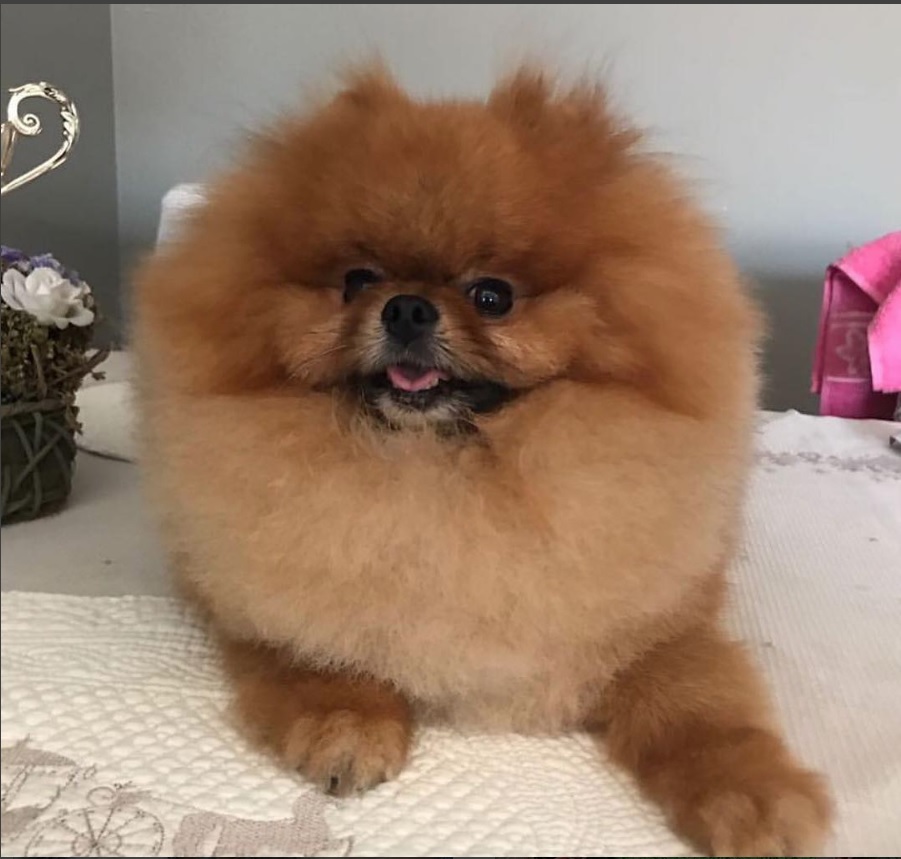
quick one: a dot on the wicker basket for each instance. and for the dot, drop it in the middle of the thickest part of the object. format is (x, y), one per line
(37, 459)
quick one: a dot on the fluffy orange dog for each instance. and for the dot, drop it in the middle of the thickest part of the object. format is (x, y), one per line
(449, 410)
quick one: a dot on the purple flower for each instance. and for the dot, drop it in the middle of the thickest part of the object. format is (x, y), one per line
(14, 258)
(47, 261)
(11, 255)
(50, 261)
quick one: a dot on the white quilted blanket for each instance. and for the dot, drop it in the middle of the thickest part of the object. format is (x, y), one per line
(115, 741)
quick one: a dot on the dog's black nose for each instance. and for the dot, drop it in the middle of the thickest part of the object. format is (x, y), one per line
(407, 317)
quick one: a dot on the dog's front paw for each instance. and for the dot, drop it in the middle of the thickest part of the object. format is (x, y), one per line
(750, 799)
(345, 732)
(345, 752)
(785, 816)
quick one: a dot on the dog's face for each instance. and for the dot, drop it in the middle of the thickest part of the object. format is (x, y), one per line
(431, 262)
(433, 252)
(430, 339)
(419, 356)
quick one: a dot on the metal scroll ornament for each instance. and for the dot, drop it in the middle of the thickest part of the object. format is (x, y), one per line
(29, 125)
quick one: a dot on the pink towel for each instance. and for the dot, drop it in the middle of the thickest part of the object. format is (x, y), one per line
(857, 368)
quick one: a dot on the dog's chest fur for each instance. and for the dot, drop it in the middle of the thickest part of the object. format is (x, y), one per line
(487, 599)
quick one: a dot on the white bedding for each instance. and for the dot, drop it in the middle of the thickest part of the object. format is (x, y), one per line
(115, 739)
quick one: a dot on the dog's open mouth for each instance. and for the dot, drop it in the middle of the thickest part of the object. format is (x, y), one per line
(421, 388)
(413, 386)
(413, 379)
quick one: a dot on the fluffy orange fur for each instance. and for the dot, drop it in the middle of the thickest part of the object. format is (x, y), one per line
(557, 566)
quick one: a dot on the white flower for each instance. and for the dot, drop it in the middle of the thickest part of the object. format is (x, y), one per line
(47, 296)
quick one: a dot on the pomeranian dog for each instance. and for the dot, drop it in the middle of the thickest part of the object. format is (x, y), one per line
(448, 411)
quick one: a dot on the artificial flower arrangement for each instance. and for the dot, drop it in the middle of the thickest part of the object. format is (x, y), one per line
(47, 320)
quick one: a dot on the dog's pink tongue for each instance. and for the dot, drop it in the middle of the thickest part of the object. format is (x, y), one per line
(408, 379)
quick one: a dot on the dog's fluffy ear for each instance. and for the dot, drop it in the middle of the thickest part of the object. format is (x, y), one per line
(534, 101)
(524, 96)
(370, 86)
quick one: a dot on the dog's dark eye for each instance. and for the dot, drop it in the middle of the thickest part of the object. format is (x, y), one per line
(491, 296)
(358, 279)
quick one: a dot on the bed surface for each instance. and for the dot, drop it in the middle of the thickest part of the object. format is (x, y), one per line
(115, 735)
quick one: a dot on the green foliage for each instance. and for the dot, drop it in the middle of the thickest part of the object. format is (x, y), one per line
(40, 362)
(37, 362)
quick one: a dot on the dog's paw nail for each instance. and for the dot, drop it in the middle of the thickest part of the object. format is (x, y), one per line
(347, 752)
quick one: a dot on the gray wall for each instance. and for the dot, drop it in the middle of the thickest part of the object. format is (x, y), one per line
(789, 116)
(72, 211)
